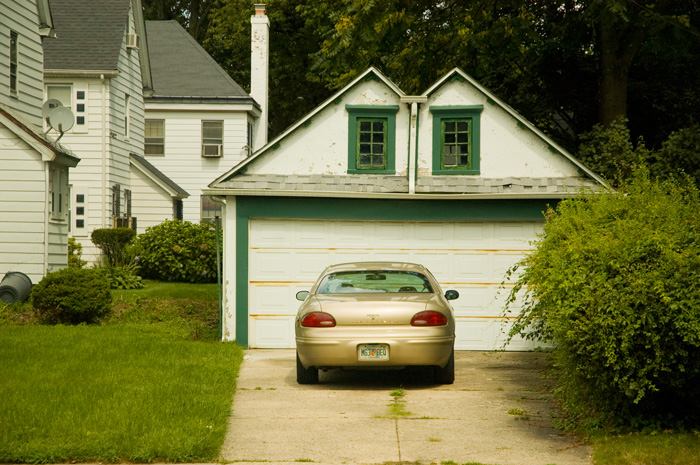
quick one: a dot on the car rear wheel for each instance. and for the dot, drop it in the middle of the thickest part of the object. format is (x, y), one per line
(446, 375)
(306, 375)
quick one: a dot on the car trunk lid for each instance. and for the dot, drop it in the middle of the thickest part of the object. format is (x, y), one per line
(374, 310)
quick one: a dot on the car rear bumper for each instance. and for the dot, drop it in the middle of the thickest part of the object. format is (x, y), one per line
(403, 351)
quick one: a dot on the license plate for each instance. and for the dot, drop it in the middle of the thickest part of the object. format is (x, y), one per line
(374, 352)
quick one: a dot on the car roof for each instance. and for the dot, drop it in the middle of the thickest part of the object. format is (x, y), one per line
(358, 266)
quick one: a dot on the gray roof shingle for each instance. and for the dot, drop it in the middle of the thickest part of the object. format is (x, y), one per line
(182, 68)
(89, 34)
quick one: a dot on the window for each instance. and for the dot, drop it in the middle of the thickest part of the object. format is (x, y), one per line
(127, 113)
(116, 200)
(155, 137)
(371, 138)
(80, 205)
(14, 39)
(58, 186)
(249, 142)
(456, 132)
(210, 209)
(177, 209)
(212, 138)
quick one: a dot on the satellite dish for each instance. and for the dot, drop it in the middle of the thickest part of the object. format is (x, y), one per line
(49, 105)
(61, 119)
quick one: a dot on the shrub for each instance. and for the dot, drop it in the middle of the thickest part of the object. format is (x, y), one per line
(680, 154)
(614, 283)
(113, 243)
(178, 251)
(72, 296)
(123, 277)
(75, 251)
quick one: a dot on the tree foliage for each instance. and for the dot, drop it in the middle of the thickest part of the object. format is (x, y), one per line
(614, 284)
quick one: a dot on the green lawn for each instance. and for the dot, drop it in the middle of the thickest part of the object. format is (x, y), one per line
(112, 393)
(644, 449)
(150, 383)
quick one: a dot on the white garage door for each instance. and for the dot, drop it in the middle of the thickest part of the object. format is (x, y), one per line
(287, 256)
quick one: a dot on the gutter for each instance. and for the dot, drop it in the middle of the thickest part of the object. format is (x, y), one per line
(83, 73)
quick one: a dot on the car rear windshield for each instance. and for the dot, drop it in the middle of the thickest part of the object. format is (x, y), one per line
(345, 282)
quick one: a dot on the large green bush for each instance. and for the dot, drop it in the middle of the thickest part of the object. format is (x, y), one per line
(178, 251)
(72, 296)
(614, 284)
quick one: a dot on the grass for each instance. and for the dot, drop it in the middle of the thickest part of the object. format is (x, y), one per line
(149, 384)
(646, 449)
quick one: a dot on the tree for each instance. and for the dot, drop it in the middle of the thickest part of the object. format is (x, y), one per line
(296, 31)
(192, 14)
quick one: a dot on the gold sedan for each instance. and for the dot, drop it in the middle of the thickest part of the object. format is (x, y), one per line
(375, 314)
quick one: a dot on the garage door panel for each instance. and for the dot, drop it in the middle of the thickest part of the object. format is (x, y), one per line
(350, 234)
(470, 235)
(473, 301)
(309, 234)
(433, 235)
(270, 265)
(388, 235)
(270, 233)
(473, 267)
(307, 265)
(268, 299)
(438, 262)
(475, 334)
(272, 332)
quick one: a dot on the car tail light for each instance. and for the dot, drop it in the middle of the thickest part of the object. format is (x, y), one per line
(429, 318)
(318, 320)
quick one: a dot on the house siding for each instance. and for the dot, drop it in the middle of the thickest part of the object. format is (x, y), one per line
(22, 19)
(183, 162)
(154, 205)
(22, 207)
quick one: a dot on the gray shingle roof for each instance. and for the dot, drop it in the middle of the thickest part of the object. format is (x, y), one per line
(182, 68)
(356, 183)
(181, 193)
(89, 34)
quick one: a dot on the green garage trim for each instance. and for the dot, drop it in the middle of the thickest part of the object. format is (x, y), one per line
(297, 208)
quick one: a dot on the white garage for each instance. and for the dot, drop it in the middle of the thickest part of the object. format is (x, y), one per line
(453, 179)
(287, 256)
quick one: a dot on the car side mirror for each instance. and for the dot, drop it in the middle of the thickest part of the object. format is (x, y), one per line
(451, 294)
(302, 295)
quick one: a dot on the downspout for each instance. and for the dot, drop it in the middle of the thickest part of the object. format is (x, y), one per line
(219, 289)
(412, 175)
(47, 209)
(104, 148)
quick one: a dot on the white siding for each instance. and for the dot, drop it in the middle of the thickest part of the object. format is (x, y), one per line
(151, 204)
(22, 18)
(183, 162)
(22, 207)
(103, 146)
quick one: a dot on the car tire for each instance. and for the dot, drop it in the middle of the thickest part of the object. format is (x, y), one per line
(306, 375)
(446, 375)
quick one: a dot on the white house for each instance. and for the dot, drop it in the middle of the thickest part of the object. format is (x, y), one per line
(34, 168)
(98, 67)
(199, 121)
(453, 178)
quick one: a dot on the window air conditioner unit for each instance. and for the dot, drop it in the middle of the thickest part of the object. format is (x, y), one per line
(132, 40)
(212, 150)
(124, 222)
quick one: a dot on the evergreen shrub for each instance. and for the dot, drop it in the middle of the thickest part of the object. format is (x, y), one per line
(72, 296)
(177, 251)
(614, 284)
(113, 242)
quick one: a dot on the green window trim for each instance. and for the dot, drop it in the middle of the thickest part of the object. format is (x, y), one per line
(448, 156)
(362, 158)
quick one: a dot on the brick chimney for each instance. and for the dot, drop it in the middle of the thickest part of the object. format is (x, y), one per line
(259, 66)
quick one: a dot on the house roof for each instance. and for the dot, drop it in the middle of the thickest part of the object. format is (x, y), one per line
(237, 182)
(198, 75)
(159, 177)
(370, 72)
(50, 149)
(89, 34)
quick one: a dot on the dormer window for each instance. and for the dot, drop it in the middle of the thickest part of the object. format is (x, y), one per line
(371, 138)
(456, 131)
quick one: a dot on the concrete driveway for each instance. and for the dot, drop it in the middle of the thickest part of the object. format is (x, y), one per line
(496, 412)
